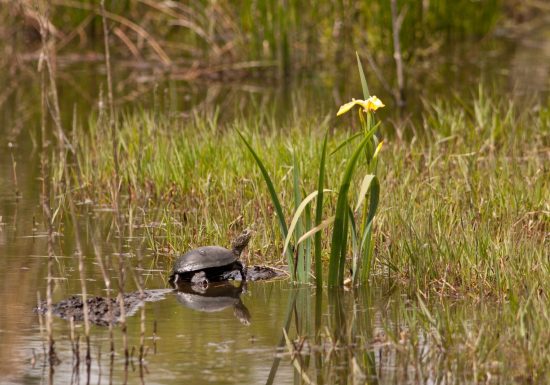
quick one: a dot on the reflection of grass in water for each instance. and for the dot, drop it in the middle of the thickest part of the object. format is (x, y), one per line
(390, 339)
(463, 212)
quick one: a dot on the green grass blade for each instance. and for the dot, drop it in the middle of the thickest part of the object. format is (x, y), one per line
(344, 247)
(354, 241)
(299, 251)
(319, 216)
(270, 187)
(425, 311)
(366, 243)
(298, 214)
(273, 195)
(364, 265)
(339, 232)
(365, 185)
(307, 248)
(353, 137)
(314, 231)
(346, 142)
(374, 197)
(364, 85)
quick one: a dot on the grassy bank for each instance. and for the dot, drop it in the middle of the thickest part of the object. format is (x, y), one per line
(463, 207)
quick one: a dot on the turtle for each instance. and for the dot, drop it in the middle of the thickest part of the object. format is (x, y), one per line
(206, 263)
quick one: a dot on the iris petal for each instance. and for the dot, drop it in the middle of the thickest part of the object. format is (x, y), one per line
(371, 104)
(348, 106)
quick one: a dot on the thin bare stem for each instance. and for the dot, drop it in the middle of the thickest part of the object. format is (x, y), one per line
(154, 338)
(123, 326)
(99, 365)
(14, 169)
(80, 255)
(378, 72)
(45, 198)
(116, 185)
(107, 281)
(110, 96)
(397, 21)
(40, 320)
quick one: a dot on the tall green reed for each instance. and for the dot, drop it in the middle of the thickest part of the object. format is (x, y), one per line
(300, 255)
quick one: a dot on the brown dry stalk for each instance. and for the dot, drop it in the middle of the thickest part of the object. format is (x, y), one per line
(123, 326)
(41, 322)
(80, 264)
(116, 186)
(63, 144)
(397, 21)
(138, 279)
(121, 20)
(110, 97)
(180, 20)
(14, 169)
(107, 281)
(45, 198)
(127, 42)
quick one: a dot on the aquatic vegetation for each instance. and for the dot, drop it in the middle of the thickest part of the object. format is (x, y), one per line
(343, 220)
(361, 235)
(380, 335)
(464, 209)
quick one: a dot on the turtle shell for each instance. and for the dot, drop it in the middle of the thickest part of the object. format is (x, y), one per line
(214, 298)
(205, 304)
(204, 258)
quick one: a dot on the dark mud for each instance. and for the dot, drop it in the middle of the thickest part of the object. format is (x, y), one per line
(99, 307)
(103, 310)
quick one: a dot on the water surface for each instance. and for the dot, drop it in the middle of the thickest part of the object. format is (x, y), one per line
(204, 347)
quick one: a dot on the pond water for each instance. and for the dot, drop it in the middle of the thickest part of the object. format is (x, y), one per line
(360, 331)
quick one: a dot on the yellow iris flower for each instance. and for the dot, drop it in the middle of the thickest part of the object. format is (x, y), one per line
(371, 104)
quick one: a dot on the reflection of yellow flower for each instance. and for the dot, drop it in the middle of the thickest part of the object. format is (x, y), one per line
(371, 104)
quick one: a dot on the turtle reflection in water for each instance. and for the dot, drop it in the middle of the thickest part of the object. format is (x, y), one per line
(212, 298)
(209, 263)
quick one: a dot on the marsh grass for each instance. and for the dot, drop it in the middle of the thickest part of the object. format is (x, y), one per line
(464, 200)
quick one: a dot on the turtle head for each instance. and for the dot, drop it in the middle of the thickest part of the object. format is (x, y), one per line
(241, 241)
